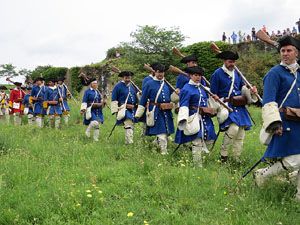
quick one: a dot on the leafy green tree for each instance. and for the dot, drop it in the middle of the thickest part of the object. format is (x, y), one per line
(26, 73)
(155, 40)
(8, 70)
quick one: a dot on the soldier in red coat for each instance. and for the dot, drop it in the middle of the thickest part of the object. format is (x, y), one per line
(15, 102)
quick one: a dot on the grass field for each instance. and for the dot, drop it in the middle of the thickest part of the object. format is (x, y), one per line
(62, 177)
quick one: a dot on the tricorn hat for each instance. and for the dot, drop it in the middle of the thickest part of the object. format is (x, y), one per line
(228, 55)
(288, 40)
(3, 88)
(189, 59)
(17, 83)
(52, 80)
(61, 79)
(91, 80)
(38, 79)
(125, 73)
(160, 67)
(195, 69)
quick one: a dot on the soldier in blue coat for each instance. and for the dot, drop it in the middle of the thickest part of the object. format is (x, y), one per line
(37, 98)
(91, 107)
(193, 101)
(142, 120)
(228, 85)
(27, 107)
(64, 93)
(52, 103)
(124, 104)
(160, 117)
(281, 91)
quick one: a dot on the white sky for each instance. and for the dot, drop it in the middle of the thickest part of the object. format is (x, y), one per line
(76, 33)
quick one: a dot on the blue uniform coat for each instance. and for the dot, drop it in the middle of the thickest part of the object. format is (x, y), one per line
(163, 119)
(26, 103)
(145, 81)
(220, 84)
(63, 92)
(90, 96)
(38, 105)
(277, 82)
(120, 93)
(189, 96)
(52, 95)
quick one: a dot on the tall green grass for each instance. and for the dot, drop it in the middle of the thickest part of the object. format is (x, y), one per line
(62, 177)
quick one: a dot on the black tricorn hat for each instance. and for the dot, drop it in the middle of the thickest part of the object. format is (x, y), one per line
(160, 67)
(17, 83)
(91, 80)
(125, 73)
(3, 88)
(288, 40)
(228, 55)
(52, 80)
(189, 59)
(38, 79)
(195, 69)
(61, 79)
(29, 88)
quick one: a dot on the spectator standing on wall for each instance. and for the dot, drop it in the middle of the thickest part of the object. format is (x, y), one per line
(278, 34)
(273, 35)
(294, 32)
(288, 32)
(253, 34)
(264, 29)
(248, 37)
(234, 37)
(298, 23)
(224, 37)
(284, 33)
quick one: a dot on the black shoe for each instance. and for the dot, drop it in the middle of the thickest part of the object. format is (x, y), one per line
(224, 159)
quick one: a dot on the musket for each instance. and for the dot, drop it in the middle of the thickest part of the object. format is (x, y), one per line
(175, 69)
(70, 94)
(112, 130)
(264, 37)
(248, 171)
(61, 97)
(116, 70)
(175, 150)
(177, 52)
(214, 47)
(149, 68)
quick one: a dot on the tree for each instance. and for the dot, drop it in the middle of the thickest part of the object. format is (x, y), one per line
(155, 40)
(8, 70)
(26, 73)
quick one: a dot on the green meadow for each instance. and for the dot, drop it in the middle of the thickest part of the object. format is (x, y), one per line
(62, 177)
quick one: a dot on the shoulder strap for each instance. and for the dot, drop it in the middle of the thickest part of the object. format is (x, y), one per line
(290, 90)
(232, 83)
(159, 90)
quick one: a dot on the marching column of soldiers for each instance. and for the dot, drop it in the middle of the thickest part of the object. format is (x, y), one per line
(226, 98)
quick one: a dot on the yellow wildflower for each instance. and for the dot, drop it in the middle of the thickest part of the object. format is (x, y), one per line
(89, 195)
(130, 214)
(225, 193)
(100, 192)
(88, 191)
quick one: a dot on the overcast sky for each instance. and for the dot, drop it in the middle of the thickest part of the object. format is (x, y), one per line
(76, 33)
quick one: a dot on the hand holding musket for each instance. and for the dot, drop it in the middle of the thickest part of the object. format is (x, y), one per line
(214, 47)
(177, 52)
(116, 70)
(177, 70)
(149, 68)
